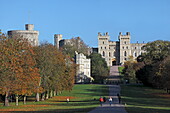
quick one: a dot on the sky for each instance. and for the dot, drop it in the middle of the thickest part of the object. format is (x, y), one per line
(146, 20)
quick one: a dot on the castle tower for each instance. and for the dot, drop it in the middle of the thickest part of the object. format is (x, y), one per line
(103, 45)
(57, 38)
(29, 27)
(125, 47)
(28, 33)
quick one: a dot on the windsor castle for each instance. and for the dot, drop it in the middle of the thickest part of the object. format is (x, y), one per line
(114, 52)
(118, 52)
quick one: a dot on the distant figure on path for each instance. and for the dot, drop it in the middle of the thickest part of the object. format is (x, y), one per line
(67, 100)
(110, 101)
(104, 99)
(119, 97)
(101, 101)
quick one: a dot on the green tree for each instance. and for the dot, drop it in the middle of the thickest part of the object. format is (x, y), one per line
(155, 53)
(75, 44)
(99, 67)
(55, 69)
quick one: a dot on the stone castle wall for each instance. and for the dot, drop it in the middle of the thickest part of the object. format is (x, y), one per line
(29, 34)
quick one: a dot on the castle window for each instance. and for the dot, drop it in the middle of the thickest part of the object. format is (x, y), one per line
(127, 47)
(135, 54)
(125, 53)
(125, 59)
(125, 42)
(123, 47)
(105, 47)
(109, 54)
(135, 47)
(101, 47)
(103, 53)
(103, 42)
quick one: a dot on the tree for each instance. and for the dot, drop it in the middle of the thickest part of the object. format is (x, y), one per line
(156, 51)
(99, 67)
(75, 44)
(166, 74)
(56, 69)
(18, 74)
(152, 71)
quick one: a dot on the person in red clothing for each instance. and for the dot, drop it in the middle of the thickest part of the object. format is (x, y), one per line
(101, 101)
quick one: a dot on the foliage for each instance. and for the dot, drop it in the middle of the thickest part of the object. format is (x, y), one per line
(57, 70)
(99, 67)
(155, 51)
(75, 44)
(18, 73)
(130, 68)
(156, 63)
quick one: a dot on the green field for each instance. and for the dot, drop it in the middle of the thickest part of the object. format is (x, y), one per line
(120, 70)
(82, 100)
(140, 99)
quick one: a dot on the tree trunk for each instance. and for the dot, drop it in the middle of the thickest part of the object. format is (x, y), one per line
(16, 100)
(42, 96)
(6, 100)
(54, 93)
(47, 95)
(37, 97)
(51, 93)
(25, 97)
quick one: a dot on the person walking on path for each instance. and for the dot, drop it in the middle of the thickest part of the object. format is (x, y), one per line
(104, 99)
(119, 98)
(110, 101)
(101, 101)
(67, 100)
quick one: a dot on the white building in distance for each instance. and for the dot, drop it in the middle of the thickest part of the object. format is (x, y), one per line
(84, 68)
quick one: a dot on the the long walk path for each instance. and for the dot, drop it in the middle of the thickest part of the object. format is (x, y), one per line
(113, 91)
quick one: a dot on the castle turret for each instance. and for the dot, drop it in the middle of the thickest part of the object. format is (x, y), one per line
(28, 33)
(29, 27)
(57, 38)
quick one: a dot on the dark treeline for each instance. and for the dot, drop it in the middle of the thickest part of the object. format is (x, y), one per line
(152, 67)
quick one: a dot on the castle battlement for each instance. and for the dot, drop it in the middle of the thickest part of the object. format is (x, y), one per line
(118, 52)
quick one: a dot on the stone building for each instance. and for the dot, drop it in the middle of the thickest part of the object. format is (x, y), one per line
(28, 33)
(59, 42)
(118, 52)
(83, 74)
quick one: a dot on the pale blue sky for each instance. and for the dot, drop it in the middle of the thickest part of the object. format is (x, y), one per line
(147, 20)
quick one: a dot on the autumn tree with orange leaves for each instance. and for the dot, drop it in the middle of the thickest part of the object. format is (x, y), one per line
(53, 67)
(18, 74)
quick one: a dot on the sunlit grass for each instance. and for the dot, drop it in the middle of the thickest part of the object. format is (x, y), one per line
(83, 98)
(140, 99)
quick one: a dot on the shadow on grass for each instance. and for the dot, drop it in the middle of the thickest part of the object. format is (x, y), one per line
(141, 99)
(77, 110)
(139, 109)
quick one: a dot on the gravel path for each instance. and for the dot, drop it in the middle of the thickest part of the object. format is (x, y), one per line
(113, 91)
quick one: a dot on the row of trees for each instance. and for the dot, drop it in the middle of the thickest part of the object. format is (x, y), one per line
(153, 66)
(25, 70)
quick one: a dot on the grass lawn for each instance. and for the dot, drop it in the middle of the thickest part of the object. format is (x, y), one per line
(81, 101)
(140, 99)
(120, 70)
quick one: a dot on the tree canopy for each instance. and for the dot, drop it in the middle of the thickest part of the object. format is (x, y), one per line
(18, 72)
(153, 65)
(99, 67)
(75, 44)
